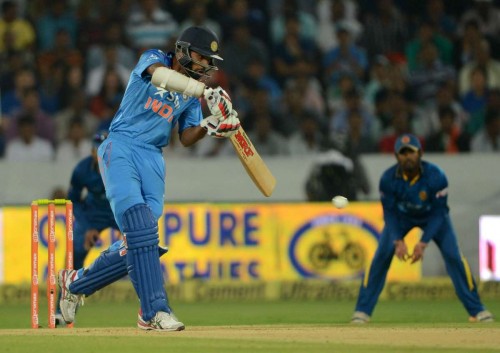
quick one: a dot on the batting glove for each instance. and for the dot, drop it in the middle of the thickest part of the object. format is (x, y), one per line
(221, 128)
(218, 102)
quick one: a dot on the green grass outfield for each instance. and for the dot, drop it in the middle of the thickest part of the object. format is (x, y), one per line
(281, 327)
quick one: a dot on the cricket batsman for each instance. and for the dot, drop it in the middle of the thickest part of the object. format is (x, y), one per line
(133, 168)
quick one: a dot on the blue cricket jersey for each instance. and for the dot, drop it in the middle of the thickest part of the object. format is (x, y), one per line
(422, 202)
(147, 113)
(95, 206)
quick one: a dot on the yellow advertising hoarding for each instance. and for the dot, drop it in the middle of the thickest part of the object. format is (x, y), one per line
(235, 242)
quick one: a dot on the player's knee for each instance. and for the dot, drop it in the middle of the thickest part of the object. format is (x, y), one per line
(140, 226)
(453, 259)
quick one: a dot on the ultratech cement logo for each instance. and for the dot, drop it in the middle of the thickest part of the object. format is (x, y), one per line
(333, 247)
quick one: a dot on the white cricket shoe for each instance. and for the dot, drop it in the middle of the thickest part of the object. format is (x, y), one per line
(60, 321)
(69, 302)
(360, 317)
(162, 321)
(482, 316)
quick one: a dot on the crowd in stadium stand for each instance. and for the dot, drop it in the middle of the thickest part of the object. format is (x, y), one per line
(304, 75)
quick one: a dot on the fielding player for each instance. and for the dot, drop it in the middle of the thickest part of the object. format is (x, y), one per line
(132, 164)
(414, 193)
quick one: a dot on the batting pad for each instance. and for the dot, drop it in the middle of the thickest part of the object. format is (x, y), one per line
(143, 265)
(109, 267)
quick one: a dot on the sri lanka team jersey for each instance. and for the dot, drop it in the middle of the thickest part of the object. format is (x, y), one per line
(147, 113)
(422, 202)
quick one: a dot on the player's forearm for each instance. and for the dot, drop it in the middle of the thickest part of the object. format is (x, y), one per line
(192, 135)
(433, 226)
(174, 81)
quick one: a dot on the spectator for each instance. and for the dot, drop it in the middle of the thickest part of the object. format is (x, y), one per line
(426, 120)
(292, 111)
(448, 138)
(76, 110)
(51, 65)
(56, 19)
(96, 78)
(347, 57)
(475, 100)
(351, 142)
(197, 16)
(465, 46)
(149, 26)
(16, 34)
(429, 74)
(240, 50)
(27, 146)
(11, 100)
(97, 25)
(11, 63)
(253, 13)
(104, 104)
(486, 15)
(309, 87)
(76, 145)
(339, 121)
(258, 73)
(335, 93)
(266, 140)
(309, 138)
(483, 59)
(293, 49)
(387, 32)
(427, 33)
(330, 13)
(30, 105)
(73, 84)
(306, 23)
(114, 36)
(487, 139)
(378, 79)
(444, 23)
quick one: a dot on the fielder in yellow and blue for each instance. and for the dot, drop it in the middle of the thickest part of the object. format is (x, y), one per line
(414, 193)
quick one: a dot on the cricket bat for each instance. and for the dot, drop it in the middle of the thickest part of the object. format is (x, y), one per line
(253, 163)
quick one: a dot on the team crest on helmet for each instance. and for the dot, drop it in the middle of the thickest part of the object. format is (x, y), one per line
(422, 195)
(214, 46)
(405, 139)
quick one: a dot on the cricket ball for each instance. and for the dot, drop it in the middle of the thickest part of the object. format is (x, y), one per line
(340, 201)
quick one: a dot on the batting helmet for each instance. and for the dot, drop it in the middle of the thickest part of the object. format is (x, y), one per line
(201, 40)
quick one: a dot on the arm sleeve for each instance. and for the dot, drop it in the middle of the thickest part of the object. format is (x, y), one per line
(388, 200)
(148, 58)
(439, 206)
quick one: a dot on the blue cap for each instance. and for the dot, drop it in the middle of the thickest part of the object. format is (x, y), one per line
(407, 141)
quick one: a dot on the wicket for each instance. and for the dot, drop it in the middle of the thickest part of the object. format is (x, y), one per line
(51, 272)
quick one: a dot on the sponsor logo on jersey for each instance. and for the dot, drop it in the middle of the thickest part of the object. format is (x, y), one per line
(422, 195)
(153, 57)
(160, 108)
